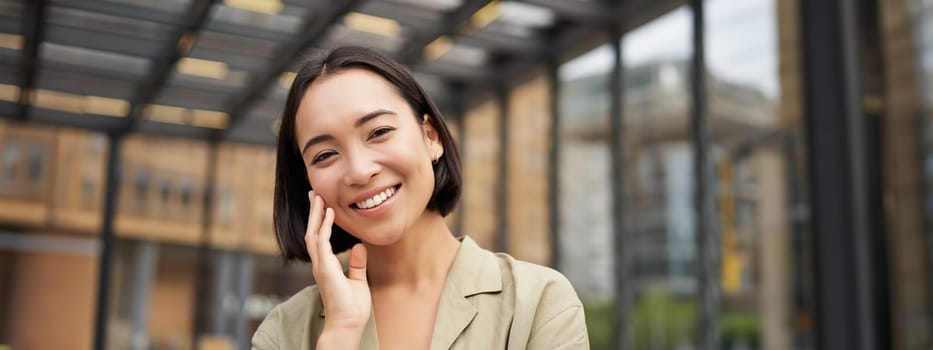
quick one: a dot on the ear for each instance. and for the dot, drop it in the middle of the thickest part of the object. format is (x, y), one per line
(431, 138)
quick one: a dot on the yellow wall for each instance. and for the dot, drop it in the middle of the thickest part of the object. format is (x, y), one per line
(53, 301)
(480, 164)
(529, 128)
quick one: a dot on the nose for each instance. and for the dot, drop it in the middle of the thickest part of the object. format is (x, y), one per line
(361, 168)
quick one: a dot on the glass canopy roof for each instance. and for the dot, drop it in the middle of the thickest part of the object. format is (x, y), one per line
(219, 69)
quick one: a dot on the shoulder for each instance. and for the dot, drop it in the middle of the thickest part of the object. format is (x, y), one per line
(293, 316)
(548, 314)
(547, 286)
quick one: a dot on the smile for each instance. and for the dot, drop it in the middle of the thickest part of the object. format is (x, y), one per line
(376, 200)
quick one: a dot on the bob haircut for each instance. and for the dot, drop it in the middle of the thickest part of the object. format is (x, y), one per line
(291, 204)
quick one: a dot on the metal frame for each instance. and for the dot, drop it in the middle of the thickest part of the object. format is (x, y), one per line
(312, 32)
(850, 283)
(845, 227)
(33, 33)
(622, 339)
(707, 234)
(502, 195)
(553, 164)
(107, 238)
(164, 65)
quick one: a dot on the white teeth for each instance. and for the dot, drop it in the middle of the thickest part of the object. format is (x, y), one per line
(377, 199)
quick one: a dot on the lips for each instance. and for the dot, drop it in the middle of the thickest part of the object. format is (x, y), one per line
(375, 200)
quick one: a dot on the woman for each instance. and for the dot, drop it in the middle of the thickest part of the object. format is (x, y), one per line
(366, 163)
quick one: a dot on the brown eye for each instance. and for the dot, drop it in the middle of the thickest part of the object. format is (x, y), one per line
(321, 157)
(379, 132)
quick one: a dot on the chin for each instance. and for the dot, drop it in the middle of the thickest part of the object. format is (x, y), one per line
(380, 237)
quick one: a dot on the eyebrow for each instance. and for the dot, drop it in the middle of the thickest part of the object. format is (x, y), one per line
(359, 122)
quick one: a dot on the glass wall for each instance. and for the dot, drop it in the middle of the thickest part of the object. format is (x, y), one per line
(176, 277)
(907, 152)
(659, 218)
(584, 193)
(753, 114)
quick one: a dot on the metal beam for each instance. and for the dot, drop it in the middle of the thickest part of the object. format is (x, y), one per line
(707, 233)
(502, 205)
(458, 72)
(843, 170)
(459, 108)
(597, 14)
(553, 164)
(202, 284)
(451, 24)
(33, 35)
(106, 238)
(412, 16)
(176, 47)
(536, 47)
(622, 337)
(310, 34)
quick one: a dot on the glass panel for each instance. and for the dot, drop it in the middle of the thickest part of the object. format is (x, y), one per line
(585, 199)
(11, 161)
(36, 169)
(437, 5)
(389, 41)
(96, 21)
(658, 181)
(94, 60)
(907, 172)
(245, 22)
(753, 113)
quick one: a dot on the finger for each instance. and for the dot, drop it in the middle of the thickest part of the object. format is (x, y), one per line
(312, 230)
(323, 239)
(357, 263)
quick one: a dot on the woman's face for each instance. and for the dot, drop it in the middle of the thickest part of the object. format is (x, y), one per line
(366, 155)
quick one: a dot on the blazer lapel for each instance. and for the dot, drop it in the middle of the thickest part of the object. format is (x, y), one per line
(474, 271)
(454, 314)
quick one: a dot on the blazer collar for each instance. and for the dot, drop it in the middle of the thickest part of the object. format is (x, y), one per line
(474, 271)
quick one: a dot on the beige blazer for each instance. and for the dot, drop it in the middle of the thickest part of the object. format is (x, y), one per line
(489, 301)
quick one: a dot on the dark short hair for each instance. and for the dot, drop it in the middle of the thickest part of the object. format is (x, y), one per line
(291, 204)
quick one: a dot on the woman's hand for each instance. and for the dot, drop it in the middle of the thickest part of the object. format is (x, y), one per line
(347, 301)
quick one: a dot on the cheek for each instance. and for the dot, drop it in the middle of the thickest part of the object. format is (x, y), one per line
(322, 183)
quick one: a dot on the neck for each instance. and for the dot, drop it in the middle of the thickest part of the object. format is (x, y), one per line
(421, 257)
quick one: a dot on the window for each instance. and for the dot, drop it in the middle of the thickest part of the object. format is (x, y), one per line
(11, 160)
(165, 194)
(36, 168)
(226, 205)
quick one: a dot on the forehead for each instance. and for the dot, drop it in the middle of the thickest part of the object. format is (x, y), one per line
(348, 93)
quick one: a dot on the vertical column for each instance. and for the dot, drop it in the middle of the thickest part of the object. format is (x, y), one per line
(222, 282)
(459, 109)
(502, 238)
(846, 224)
(106, 238)
(243, 289)
(553, 163)
(145, 263)
(202, 289)
(622, 335)
(707, 235)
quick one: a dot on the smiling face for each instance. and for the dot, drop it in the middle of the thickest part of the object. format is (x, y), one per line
(366, 154)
